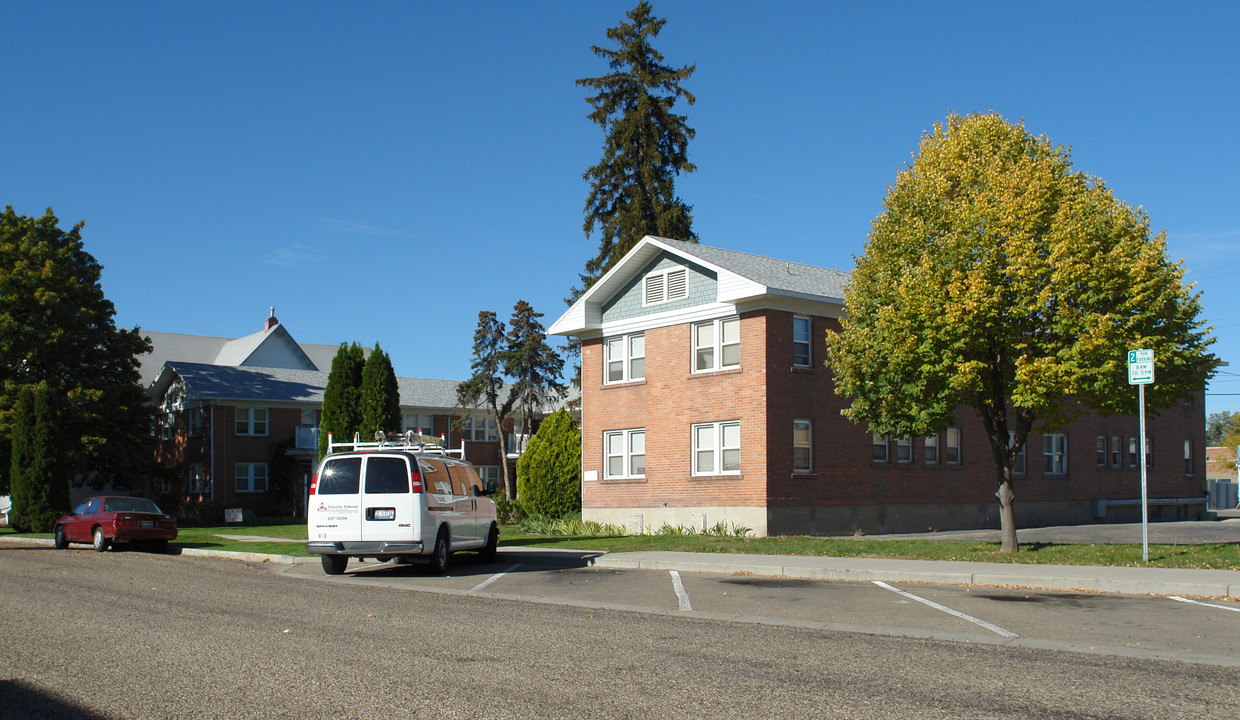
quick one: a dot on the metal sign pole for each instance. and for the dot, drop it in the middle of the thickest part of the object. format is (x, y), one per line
(1145, 508)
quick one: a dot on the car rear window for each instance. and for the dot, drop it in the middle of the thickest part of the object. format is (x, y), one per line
(340, 476)
(130, 504)
(387, 475)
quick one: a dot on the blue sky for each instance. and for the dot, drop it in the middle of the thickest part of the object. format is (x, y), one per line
(382, 171)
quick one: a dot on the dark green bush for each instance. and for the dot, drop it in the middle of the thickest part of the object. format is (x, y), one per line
(549, 471)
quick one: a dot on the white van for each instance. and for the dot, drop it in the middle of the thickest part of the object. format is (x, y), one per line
(397, 501)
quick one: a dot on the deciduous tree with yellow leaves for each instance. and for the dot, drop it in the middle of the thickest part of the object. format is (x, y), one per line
(999, 278)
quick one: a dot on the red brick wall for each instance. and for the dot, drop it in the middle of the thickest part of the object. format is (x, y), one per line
(667, 403)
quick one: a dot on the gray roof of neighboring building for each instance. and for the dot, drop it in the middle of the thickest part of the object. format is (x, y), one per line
(775, 274)
(204, 381)
(208, 349)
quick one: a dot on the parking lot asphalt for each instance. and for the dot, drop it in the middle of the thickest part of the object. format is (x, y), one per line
(1126, 580)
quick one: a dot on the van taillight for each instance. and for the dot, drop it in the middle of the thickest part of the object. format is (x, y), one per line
(415, 479)
(314, 483)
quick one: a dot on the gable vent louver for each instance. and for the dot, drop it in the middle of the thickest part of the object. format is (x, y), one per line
(677, 285)
(654, 289)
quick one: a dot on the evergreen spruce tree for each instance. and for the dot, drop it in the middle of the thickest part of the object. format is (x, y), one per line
(549, 471)
(485, 387)
(380, 396)
(534, 365)
(342, 416)
(56, 326)
(40, 490)
(632, 188)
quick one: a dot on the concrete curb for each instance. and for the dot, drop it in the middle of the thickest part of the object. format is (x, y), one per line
(1090, 578)
(1126, 580)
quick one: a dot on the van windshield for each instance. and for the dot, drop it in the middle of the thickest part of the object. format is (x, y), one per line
(340, 476)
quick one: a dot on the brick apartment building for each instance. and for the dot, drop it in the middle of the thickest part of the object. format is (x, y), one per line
(705, 400)
(232, 412)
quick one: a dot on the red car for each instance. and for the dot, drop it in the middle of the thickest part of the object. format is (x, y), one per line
(104, 520)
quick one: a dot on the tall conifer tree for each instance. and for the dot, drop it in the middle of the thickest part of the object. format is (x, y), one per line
(632, 188)
(380, 396)
(342, 414)
(534, 365)
(485, 388)
(40, 489)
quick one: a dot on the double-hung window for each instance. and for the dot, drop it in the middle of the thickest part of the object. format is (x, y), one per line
(1055, 454)
(801, 355)
(251, 477)
(717, 344)
(195, 416)
(1018, 464)
(419, 422)
(717, 448)
(802, 446)
(481, 429)
(1188, 457)
(625, 452)
(953, 446)
(625, 358)
(931, 449)
(881, 448)
(251, 421)
(1102, 451)
(197, 479)
(904, 450)
(1117, 454)
(665, 286)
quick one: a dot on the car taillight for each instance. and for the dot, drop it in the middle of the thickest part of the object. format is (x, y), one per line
(415, 479)
(314, 483)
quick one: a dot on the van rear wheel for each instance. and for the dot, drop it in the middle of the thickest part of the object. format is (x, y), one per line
(334, 564)
(439, 558)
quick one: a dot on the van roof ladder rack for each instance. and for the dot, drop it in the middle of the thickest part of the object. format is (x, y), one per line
(409, 440)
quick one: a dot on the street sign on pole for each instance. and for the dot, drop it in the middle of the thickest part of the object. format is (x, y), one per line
(1140, 367)
(1141, 373)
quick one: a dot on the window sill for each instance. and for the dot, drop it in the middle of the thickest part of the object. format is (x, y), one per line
(622, 480)
(714, 373)
(724, 476)
(804, 475)
(626, 383)
(804, 369)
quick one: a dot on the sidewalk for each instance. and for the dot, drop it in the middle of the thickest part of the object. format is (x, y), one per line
(1129, 580)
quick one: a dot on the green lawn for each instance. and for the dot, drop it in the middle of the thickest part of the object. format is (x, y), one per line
(1214, 557)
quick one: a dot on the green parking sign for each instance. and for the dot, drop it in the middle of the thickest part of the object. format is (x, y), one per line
(1140, 367)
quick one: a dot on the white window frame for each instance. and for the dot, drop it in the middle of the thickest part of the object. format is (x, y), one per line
(248, 477)
(717, 345)
(665, 286)
(904, 450)
(1134, 451)
(628, 358)
(717, 448)
(1055, 454)
(805, 341)
(804, 464)
(930, 449)
(196, 483)
(1101, 450)
(166, 424)
(881, 448)
(626, 455)
(247, 417)
(414, 422)
(481, 428)
(1018, 465)
(1188, 458)
(953, 454)
(490, 474)
(195, 420)
(1116, 450)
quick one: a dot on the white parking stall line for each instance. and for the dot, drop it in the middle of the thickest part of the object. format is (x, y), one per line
(1205, 604)
(679, 587)
(976, 621)
(493, 578)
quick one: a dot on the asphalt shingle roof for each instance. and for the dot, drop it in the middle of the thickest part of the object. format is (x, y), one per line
(778, 275)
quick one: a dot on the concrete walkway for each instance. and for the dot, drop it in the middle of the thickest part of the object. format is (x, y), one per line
(1129, 580)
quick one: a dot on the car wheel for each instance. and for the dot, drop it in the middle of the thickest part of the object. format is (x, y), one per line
(59, 539)
(487, 554)
(334, 564)
(439, 558)
(100, 542)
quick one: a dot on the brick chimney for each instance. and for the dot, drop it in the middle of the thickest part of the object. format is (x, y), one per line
(271, 321)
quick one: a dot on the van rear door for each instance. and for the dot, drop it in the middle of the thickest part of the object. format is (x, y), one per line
(388, 512)
(334, 513)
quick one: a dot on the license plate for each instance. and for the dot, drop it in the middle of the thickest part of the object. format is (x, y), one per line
(148, 523)
(385, 513)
